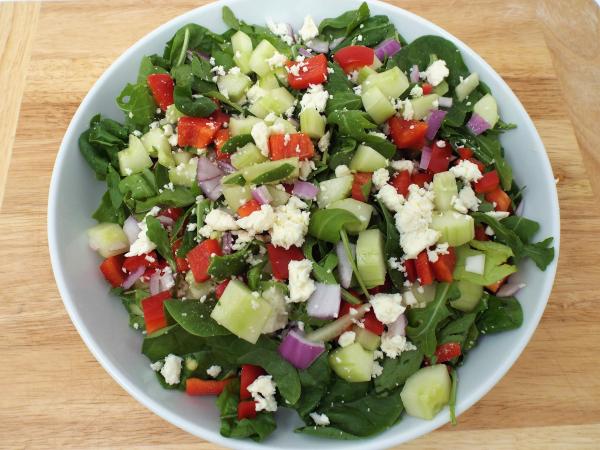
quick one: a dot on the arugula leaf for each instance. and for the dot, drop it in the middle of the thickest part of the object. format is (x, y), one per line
(226, 266)
(326, 224)
(136, 101)
(194, 317)
(423, 322)
(224, 100)
(255, 274)
(112, 180)
(337, 81)
(386, 148)
(397, 370)
(351, 123)
(495, 267)
(343, 101)
(344, 23)
(157, 234)
(457, 330)
(392, 246)
(172, 339)
(523, 227)
(107, 213)
(236, 142)
(502, 314)
(147, 67)
(95, 157)
(108, 134)
(178, 197)
(193, 37)
(341, 151)
(196, 107)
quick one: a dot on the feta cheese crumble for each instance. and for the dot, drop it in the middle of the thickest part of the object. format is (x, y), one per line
(220, 220)
(171, 370)
(315, 97)
(403, 164)
(324, 142)
(346, 338)
(309, 29)
(393, 346)
(143, 244)
(300, 284)
(390, 198)
(342, 171)
(436, 72)
(259, 221)
(263, 393)
(380, 178)
(214, 371)
(290, 224)
(260, 133)
(319, 419)
(376, 370)
(387, 307)
(467, 171)
(281, 30)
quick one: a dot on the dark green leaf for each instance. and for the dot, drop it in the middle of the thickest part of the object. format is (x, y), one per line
(178, 197)
(374, 30)
(147, 67)
(194, 317)
(192, 37)
(343, 101)
(351, 123)
(346, 22)
(229, 18)
(326, 224)
(226, 266)
(157, 234)
(107, 213)
(136, 101)
(502, 314)
(138, 186)
(314, 382)
(112, 180)
(386, 148)
(172, 339)
(327, 432)
(392, 246)
(341, 152)
(523, 227)
(196, 107)
(337, 81)
(236, 142)
(397, 370)
(96, 158)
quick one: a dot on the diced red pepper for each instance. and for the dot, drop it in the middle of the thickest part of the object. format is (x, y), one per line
(427, 88)
(248, 374)
(488, 183)
(199, 258)
(172, 213)
(295, 145)
(310, 71)
(111, 268)
(407, 134)
(480, 233)
(444, 266)
(385, 287)
(369, 320)
(354, 57)
(361, 186)
(500, 198)
(401, 182)
(221, 288)
(195, 131)
(219, 117)
(248, 208)
(246, 410)
(447, 352)
(279, 258)
(420, 178)
(198, 386)
(440, 158)
(182, 263)
(465, 152)
(497, 285)
(424, 272)
(132, 263)
(154, 313)
(479, 164)
(411, 270)
(221, 137)
(161, 85)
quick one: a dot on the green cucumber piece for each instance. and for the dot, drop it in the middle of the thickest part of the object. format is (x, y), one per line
(370, 259)
(198, 290)
(377, 105)
(282, 126)
(235, 178)
(353, 363)
(441, 88)
(185, 173)
(181, 157)
(334, 189)
(422, 105)
(366, 338)
(466, 86)
(470, 294)
(392, 82)
(367, 159)
(272, 171)
(135, 158)
(276, 101)
(423, 294)
(268, 82)
(487, 108)
(312, 123)
(445, 189)
(246, 156)
(236, 196)
(280, 196)
(365, 73)
(108, 239)
(258, 59)
(154, 140)
(241, 45)
(426, 391)
(172, 114)
(455, 228)
(234, 85)
(361, 210)
(241, 312)
(242, 125)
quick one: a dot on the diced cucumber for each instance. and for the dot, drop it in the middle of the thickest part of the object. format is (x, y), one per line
(235, 178)
(271, 172)
(108, 239)
(172, 114)
(444, 188)
(246, 156)
(134, 158)
(276, 101)
(470, 294)
(241, 45)
(366, 338)
(377, 105)
(367, 159)
(369, 258)
(441, 88)
(155, 139)
(312, 123)
(198, 290)
(281, 75)
(334, 189)
(427, 391)
(181, 157)
(269, 82)
(280, 196)
(361, 210)
(423, 294)
(487, 108)
(258, 60)
(282, 126)
(242, 125)
(279, 314)
(455, 228)
(392, 82)
(352, 363)
(365, 73)
(241, 312)
(236, 196)
(376, 63)
(422, 105)
(234, 85)
(184, 174)
(466, 86)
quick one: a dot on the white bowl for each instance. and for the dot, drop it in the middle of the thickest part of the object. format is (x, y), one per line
(102, 321)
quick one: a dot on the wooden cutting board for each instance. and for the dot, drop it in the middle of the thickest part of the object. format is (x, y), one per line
(53, 392)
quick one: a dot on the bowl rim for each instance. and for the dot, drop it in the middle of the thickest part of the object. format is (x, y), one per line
(375, 442)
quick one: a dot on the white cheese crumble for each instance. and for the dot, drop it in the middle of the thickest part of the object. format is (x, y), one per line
(416, 91)
(376, 370)
(387, 307)
(260, 133)
(291, 224)
(467, 171)
(324, 142)
(309, 29)
(306, 167)
(259, 221)
(436, 72)
(281, 30)
(263, 393)
(342, 171)
(220, 220)
(143, 244)
(347, 338)
(407, 110)
(255, 93)
(468, 199)
(171, 370)
(403, 164)
(390, 198)
(475, 264)
(300, 283)
(277, 60)
(319, 419)
(380, 178)
(214, 371)
(315, 97)
(157, 365)
(393, 346)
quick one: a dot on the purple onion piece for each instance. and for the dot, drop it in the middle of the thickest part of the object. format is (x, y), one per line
(318, 45)
(425, 158)
(207, 169)
(304, 52)
(305, 190)
(509, 289)
(154, 284)
(298, 351)
(225, 166)
(434, 122)
(477, 124)
(398, 327)
(133, 277)
(344, 265)
(166, 221)
(324, 303)
(415, 76)
(445, 102)
(227, 242)
(387, 48)
(212, 188)
(262, 195)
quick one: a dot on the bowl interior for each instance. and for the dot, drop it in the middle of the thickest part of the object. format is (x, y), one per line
(102, 322)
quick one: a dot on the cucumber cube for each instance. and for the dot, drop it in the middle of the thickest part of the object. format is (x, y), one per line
(455, 228)
(422, 105)
(241, 45)
(157, 144)
(361, 210)
(470, 294)
(367, 159)
(258, 60)
(392, 83)
(108, 239)
(445, 189)
(366, 338)
(242, 125)
(467, 86)
(272, 172)
(236, 196)
(441, 88)
(181, 157)
(427, 391)
(133, 159)
(276, 101)
(184, 174)
(312, 123)
(377, 105)
(334, 189)
(246, 156)
(268, 82)
(352, 363)
(487, 108)
(280, 196)
(234, 85)
(370, 260)
(365, 73)
(172, 114)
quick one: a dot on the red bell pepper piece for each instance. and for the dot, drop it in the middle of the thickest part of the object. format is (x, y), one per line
(279, 258)
(221, 288)
(195, 131)
(465, 152)
(219, 117)
(154, 313)
(311, 71)
(420, 178)
(488, 183)
(427, 88)
(182, 264)
(480, 233)
(295, 145)
(199, 258)
(497, 285)
(401, 182)
(248, 374)
(221, 137)
(198, 386)
(246, 410)
(479, 164)
(369, 320)
(408, 134)
(440, 158)
(447, 352)
(361, 186)
(354, 57)
(172, 213)
(500, 198)
(411, 270)
(424, 272)
(444, 266)
(132, 263)
(161, 85)
(111, 268)
(248, 208)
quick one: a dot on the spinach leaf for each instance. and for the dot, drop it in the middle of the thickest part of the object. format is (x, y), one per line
(231, 348)
(96, 158)
(183, 75)
(396, 371)
(457, 330)
(374, 30)
(178, 226)
(314, 382)
(341, 391)
(236, 142)
(194, 317)
(283, 373)
(147, 67)
(341, 152)
(502, 314)
(255, 274)
(201, 69)
(351, 123)
(327, 432)
(157, 234)
(386, 148)
(112, 180)
(343, 101)
(107, 213)
(178, 197)
(326, 224)
(172, 339)
(193, 37)
(491, 148)
(346, 22)
(136, 101)
(108, 134)
(229, 18)
(196, 107)
(139, 186)
(423, 322)
(337, 81)
(226, 266)
(392, 246)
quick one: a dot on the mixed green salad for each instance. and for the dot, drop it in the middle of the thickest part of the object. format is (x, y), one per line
(320, 220)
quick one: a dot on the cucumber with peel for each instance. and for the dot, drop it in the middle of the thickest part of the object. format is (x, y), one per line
(426, 391)
(441, 89)
(455, 228)
(470, 295)
(242, 125)
(445, 189)
(258, 59)
(276, 101)
(268, 82)
(366, 338)
(392, 82)
(334, 189)
(377, 105)
(280, 196)
(312, 123)
(181, 157)
(272, 171)
(241, 45)
(367, 159)
(184, 174)
(422, 105)
(154, 140)
(236, 196)
(108, 239)
(361, 210)
(487, 109)
(422, 294)
(282, 126)
(353, 363)
(246, 156)
(365, 73)
(466, 86)
(234, 85)
(172, 114)
(198, 290)
(370, 258)
(134, 158)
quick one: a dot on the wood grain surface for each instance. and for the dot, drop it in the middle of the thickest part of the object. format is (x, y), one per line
(54, 395)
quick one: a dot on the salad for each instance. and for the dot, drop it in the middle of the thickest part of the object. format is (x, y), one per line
(320, 220)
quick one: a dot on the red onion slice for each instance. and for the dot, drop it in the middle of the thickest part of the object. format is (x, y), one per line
(509, 289)
(318, 46)
(225, 166)
(133, 277)
(324, 303)
(304, 52)
(227, 243)
(212, 188)
(338, 326)
(336, 42)
(262, 195)
(166, 281)
(344, 265)
(415, 75)
(305, 190)
(434, 122)
(167, 221)
(131, 228)
(520, 208)
(445, 102)
(154, 284)
(387, 48)
(477, 124)
(425, 158)
(207, 170)
(298, 351)
(398, 327)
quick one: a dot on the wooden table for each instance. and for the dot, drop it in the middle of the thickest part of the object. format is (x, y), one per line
(55, 395)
